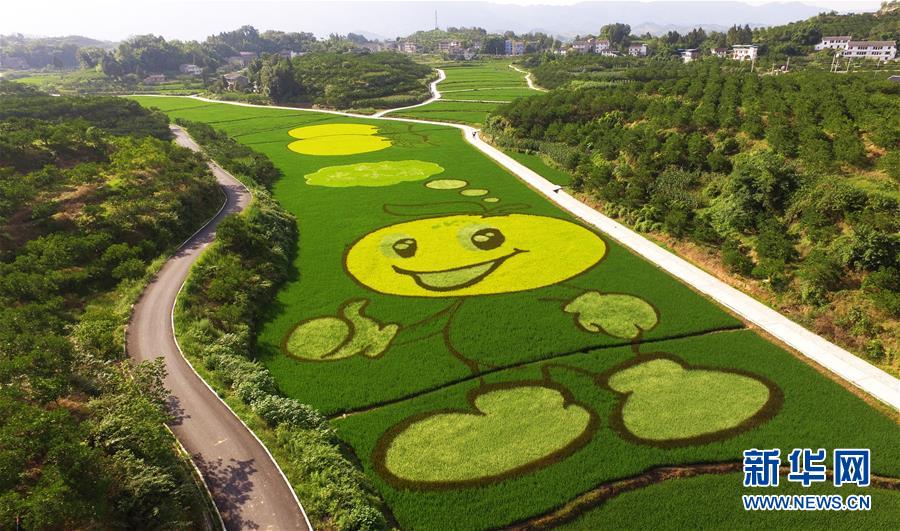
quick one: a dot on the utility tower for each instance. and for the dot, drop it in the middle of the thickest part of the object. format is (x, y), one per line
(435, 20)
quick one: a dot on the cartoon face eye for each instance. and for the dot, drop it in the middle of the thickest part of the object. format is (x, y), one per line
(487, 239)
(405, 247)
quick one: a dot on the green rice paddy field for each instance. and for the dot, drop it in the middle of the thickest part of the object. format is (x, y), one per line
(489, 359)
(482, 83)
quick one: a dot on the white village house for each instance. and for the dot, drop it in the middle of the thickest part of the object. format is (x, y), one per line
(744, 52)
(236, 81)
(637, 50)
(154, 79)
(690, 55)
(450, 47)
(601, 45)
(583, 46)
(878, 50)
(511, 47)
(193, 70)
(834, 42)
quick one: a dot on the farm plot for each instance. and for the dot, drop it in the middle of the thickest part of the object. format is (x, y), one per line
(682, 503)
(472, 90)
(487, 357)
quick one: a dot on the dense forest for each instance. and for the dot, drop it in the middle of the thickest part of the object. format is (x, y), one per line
(791, 179)
(147, 54)
(92, 192)
(341, 79)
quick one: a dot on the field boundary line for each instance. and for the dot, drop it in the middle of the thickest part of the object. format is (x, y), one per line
(602, 493)
(837, 360)
(553, 357)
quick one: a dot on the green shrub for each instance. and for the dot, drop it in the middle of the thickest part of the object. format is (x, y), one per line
(875, 351)
(281, 410)
(735, 257)
(818, 274)
(883, 286)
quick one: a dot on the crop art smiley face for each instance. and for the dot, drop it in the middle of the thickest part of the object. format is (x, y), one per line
(463, 255)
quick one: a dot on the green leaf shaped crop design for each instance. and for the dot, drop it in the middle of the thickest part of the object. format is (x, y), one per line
(333, 338)
(616, 314)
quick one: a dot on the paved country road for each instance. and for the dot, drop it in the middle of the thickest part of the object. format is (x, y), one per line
(248, 487)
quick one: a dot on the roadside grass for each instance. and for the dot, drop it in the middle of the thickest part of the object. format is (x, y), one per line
(513, 337)
(537, 164)
(816, 413)
(714, 501)
(472, 113)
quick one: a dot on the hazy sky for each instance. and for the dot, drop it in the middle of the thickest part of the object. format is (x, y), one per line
(194, 19)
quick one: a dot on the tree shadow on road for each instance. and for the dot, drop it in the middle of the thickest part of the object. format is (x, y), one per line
(231, 486)
(175, 411)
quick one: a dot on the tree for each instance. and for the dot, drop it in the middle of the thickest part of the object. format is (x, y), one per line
(494, 46)
(278, 81)
(90, 57)
(617, 33)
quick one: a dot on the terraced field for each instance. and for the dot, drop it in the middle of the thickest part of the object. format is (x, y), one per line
(471, 91)
(489, 359)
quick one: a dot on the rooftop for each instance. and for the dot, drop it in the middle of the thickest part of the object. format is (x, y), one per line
(872, 43)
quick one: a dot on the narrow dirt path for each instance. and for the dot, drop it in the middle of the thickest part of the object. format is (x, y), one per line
(249, 489)
(528, 79)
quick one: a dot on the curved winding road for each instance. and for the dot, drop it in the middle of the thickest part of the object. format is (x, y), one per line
(249, 489)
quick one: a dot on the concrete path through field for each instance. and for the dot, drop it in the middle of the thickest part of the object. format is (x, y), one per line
(249, 489)
(435, 95)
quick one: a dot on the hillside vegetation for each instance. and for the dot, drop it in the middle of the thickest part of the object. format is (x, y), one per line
(91, 193)
(341, 79)
(792, 179)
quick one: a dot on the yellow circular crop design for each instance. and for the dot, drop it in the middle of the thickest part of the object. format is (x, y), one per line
(462, 255)
(337, 139)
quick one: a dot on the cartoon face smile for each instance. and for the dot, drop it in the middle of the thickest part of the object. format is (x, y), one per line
(458, 277)
(462, 255)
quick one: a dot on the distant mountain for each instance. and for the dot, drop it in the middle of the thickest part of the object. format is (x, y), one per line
(402, 18)
(195, 19)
